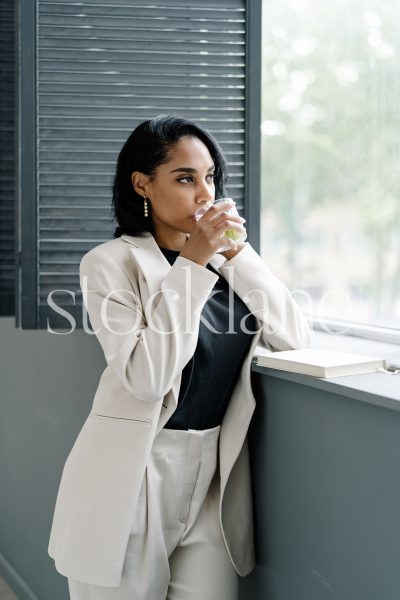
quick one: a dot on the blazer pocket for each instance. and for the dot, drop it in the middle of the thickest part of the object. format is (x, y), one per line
(141, 420)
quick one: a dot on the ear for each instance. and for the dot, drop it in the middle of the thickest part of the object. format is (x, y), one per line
(140, 183)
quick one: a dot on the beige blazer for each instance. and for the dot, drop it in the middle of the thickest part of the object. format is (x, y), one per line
(138, 392)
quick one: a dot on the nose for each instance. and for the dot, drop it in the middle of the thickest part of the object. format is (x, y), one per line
(203, 193)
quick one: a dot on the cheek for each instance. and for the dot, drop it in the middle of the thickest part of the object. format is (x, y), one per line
(171, 190)
(179, 197)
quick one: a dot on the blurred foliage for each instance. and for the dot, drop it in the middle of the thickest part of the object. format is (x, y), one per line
(330, 122)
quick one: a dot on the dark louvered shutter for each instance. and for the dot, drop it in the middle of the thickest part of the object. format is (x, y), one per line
(101, 68)
(7, 145)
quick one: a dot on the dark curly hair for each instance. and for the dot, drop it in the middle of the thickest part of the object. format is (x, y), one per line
(145, 149)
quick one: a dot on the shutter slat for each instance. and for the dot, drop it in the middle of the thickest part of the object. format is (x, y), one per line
(77, 91)
(135, 24)
(57, 34)
(156, 67)
(51, 150)
(141, 81)
(180, 56)
(222, 8)
(80, 122)
(80, 47)
(83, 105)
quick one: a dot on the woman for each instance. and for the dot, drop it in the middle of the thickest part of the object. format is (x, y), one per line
(155, 498)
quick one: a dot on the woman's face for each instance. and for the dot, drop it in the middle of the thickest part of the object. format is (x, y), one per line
(180, 186)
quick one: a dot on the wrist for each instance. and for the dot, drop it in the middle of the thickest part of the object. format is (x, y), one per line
(195, 260)
(231, 253)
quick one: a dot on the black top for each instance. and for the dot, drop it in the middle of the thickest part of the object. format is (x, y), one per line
(210, 375)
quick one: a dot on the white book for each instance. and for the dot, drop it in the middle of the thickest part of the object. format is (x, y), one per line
(320, 363)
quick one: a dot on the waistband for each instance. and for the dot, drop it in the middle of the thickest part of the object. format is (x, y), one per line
(180, 439)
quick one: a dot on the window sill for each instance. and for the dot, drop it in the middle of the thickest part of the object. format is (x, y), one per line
(358, 345)
(379, 389)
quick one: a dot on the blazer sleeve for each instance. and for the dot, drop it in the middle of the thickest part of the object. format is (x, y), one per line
(146, 357)
(284, 327)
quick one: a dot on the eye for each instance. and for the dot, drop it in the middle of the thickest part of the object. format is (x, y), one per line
(190, 178)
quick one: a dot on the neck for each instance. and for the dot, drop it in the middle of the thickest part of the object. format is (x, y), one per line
(172, 243)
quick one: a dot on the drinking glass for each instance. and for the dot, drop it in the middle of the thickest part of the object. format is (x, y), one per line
(233, 234)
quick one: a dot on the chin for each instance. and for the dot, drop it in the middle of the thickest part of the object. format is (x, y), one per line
(189, 229)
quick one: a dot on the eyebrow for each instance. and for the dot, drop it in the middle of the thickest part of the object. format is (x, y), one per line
(190, 170)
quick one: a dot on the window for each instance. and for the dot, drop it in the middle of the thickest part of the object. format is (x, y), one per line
(330, 189)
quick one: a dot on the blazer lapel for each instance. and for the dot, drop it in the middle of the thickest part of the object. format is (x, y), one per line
(154, 266)
(149, 259)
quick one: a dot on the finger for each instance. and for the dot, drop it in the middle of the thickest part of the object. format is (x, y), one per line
(229, 224)
(223, 217)
(216, 209)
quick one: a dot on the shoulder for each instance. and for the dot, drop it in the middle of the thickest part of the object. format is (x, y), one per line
(116, 249)
(111, 259)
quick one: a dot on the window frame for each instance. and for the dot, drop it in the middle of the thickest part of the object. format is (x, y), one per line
(360, 330)
(25, 161)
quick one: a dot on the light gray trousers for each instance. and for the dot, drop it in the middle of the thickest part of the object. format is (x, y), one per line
(176, 550)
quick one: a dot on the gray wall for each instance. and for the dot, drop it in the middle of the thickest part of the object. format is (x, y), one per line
(47, 386)
(325, 476)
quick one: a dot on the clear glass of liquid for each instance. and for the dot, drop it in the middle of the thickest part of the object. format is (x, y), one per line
(233, 234)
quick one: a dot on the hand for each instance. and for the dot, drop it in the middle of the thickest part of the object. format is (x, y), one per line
(205, 239)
